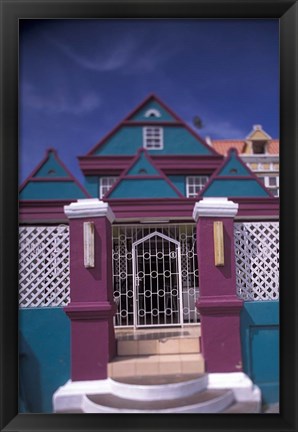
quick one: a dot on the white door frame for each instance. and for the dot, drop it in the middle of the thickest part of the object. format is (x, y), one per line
(134, 245)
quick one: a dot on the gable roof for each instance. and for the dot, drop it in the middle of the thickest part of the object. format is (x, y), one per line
(143, 179)
(51, 180)
(223, 146)
(136, 117)
(234, 179)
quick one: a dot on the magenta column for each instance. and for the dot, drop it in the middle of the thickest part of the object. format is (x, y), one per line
(91, 308)
(218, 303)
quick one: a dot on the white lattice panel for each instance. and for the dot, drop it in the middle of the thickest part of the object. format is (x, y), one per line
(43, 266)
(257, 260)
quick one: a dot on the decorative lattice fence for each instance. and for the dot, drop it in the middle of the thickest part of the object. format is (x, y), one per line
(43, 266)
(257, 260)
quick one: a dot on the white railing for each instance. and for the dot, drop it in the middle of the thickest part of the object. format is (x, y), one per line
(257, 260)
(43, 266)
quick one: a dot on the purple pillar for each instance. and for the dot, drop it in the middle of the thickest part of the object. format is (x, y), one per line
(91, 308)
(218, 303)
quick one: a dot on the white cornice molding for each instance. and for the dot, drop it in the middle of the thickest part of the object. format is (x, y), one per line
(89, 208)
(215, 207)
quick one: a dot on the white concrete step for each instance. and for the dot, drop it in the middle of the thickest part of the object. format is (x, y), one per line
(159, 387)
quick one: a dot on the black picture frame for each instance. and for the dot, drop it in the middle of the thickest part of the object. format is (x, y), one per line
(13, 10)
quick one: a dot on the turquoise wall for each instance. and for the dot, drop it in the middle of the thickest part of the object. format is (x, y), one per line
(180, 182)
(142, 164)
(137, 188)
(92, 185)
(51, 190)
(44, 356)
(260, 346)
(177, 140)
(235, 188)
(165, 116)
(51, 165)
(234, 168)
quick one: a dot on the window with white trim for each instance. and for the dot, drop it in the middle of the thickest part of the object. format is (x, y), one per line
(271, 183)
(153, 138)
(194, 184)
(105, 185)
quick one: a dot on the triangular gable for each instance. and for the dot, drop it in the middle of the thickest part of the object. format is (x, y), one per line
(234, 179)
(142, 166)
(258, 134)
(153, 109)
(51, 180)
(127, 130)
(143, 180)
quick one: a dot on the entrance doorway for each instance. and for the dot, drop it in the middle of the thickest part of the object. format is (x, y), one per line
(157, 282)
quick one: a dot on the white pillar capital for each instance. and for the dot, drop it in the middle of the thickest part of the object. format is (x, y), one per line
(218, 207)
(89, 208)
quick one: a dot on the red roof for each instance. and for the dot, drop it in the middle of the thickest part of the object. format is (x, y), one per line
(223, 146)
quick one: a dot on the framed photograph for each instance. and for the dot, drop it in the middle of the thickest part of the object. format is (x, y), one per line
(183, 76)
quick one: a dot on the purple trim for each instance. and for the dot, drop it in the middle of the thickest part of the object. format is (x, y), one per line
(49, 179)
(151, 123)
(221, 167)
(222, 305)
(33, 211)
(90, 310)
(149, 159)
(170, 164)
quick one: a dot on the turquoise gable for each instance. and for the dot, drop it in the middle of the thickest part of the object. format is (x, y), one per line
(234, 179)
(52, 181)
(177, 141)
(51, 168)
(143, 180)
(234, 167)
(151, 108)
(142, 167)
(235, 188)
(143, 188)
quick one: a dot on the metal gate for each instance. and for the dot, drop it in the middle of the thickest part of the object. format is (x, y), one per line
(157, 281)
(166, 240)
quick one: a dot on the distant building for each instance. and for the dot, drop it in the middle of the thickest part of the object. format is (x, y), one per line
(259, 151)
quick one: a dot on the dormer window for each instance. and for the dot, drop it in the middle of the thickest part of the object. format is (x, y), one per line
(259, 147)
(153, 138)
(152, 113)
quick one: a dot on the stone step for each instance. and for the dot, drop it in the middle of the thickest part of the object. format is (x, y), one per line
(149, 365)
(158, 387)
(158, 346)
(208, 401)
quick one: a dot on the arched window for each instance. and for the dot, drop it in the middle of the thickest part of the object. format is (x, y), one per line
(152, 112)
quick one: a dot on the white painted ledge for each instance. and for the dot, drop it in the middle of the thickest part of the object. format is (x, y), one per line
(89, 208)
(243, 387)
(215, 207)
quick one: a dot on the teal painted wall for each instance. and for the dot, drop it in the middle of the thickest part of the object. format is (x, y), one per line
(44, 351)
(177, 140)
(143, 164)
(180, 182)
(92, 185)
(234, 168)
(51, 165)
(260, 346)
(235, 188)
(146, 188)
(51, 190)
(165, 116)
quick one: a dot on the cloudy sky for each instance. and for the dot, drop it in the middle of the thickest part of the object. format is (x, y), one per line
(79, 78)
